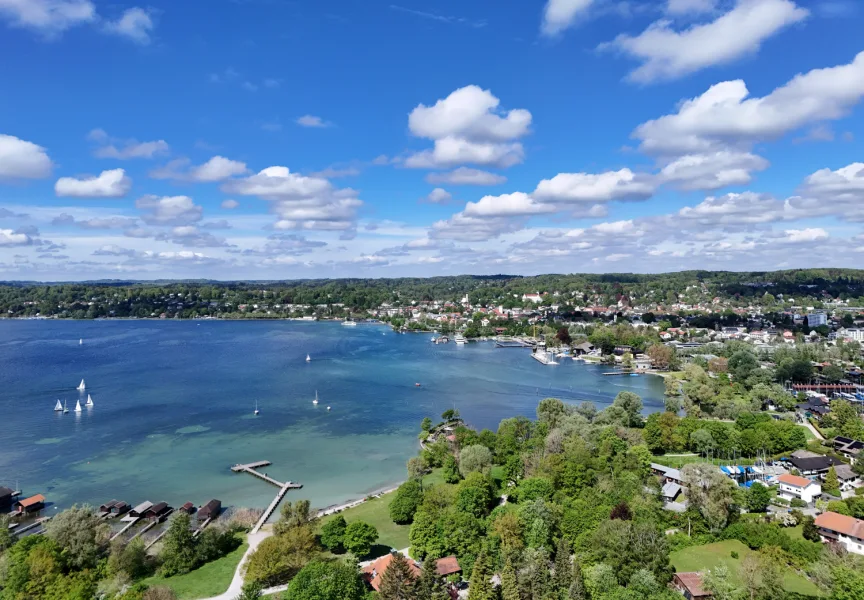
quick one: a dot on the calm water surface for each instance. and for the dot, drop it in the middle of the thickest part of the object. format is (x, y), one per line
(174, 405)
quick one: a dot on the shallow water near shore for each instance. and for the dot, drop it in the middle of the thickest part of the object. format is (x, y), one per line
(174, 404)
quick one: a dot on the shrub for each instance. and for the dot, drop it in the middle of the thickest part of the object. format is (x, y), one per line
(734, 554)
(406, 501)
(798, 503)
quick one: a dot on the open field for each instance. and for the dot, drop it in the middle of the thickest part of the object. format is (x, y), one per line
(210, 580)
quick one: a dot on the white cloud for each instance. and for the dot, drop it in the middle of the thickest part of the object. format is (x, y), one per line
(746, 208)
(713, 170)
(110, 147)
(439, 196)
(559, 15)
(217, 168)
(590, 187)
(513, 205)
(9, 237)
(466, 176)
(668, 54)
(49, 17)
(135, 24)
(828, 192)
(20, 159)
(690, 7)
(229, 204)
(724, 115)
(109, 184)
(462, 227)
(800, 236)
(312, 121)
(468, 127)
(169, 210)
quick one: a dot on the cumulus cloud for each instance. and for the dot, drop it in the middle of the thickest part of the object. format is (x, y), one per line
(595, 187)
(465, 228)
(827, 192)
(217, 168)
(712, 170)
(312, 121)
(114, 250)
(109, 147)
(559, 15)
(516, 204)
(169, 210)
(9, 237)
(690, 7)
(747, 208)
(49, 17)
(668, 54)
(109, 184)
(229, 204)
(114, 222)
(724, 116)
(191, 237)
(803, 236)
(135, 24)
(468, 127)
(465, 176)
(439, 196)
(20, 159)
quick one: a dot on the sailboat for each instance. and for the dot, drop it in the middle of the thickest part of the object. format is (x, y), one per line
(256, 407)
(58, 407)
(78, 406)
(308, 358)
(65, 408)
(328, 408)
(81, 386)
(315, 401)
(89, 403)
(81, 342)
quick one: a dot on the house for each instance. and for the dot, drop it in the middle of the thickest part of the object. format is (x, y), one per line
(210, 510)
(818, 465)
(447, 566)
(840, 529)
(157, 511)
(666, 473)
(848, 447)
(116, 507)
(670, 491)
(6, 496)
(30, 505)
(373, 572)
(792, 486)
(690, 585)
(846, 476)
(139, 510)
(188, 508)
(583, 348)
(532, 297)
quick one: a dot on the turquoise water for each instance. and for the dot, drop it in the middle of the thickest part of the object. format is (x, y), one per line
(174, 405)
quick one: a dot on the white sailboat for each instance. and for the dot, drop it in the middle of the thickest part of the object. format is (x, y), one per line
(81, 386)
(89, 403)
(59, 406)
(81, 342)
(315, 401)
(65, 408)
(256, 407)
(328, 408)
(78, 406)
(308, 358)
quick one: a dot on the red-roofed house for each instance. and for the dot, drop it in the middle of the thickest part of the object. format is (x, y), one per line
(792, 486)
(447, 566)
(690, 584)
(372, 573)
(30, 505)
(840, 529)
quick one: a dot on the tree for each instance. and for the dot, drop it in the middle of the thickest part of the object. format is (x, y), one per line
(833, 373)
(481, 587)
(475, 458)
(426, 424)
(429, 586)
(326, 581)
(5, 535)
(130, 559)
(563, 575)
(718, 582)
(832, 484)
(742, 364)
(294, 514)
(661, 356)
(359, 537)
(846, 583)
(702, 441)
(405, 502)
(250, 591)
(563, 336)
(333, 533)
(280, 557)
(535, 487)
(509, 583)
(80, 534)
(621, 512)
(627, 361)
(710, 492)
(632, 405)
(451, 470)
(551, 411)
(178, 547)
(397, 582)
(810, 531)
(762, 576)
(758, 497)
(451, 414)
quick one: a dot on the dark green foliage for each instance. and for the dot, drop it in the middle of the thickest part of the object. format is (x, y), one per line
(406, 501)
(293, 514)
(333, 533)
(629, 546)
(359, 537)
(758, 497)
(451, 470)
(130, 559)
(326, 581)
(481, 587)
(429, 586)
(178, 547)
(397, 582)
(250, 591)
(474, 495)
(810, 531)
(509, 583)
(81, 536)
(534, 487)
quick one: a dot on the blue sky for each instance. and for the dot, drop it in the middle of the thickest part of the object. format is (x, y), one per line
(274, 139)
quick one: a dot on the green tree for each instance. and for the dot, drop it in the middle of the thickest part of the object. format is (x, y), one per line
(333, 533)
(810, 531)
(742, 364)
(294, 514)
(397, 582)
(130, 559)
(758, 497)
(451, 414)
(509, 583)
(475, 458)
(481, 587)
(720, 584)
(710, 492)
(474, 495)
(359, 537)
(406, 501)
(81, 535)
(426, 424)
(250, 591)
(832, 483)
(702, 441)
(280, 557)
(551, 411)
(326, 581)
(6, 539)
(847, 583)
(563, 574)
(429, 586)
(178, 547)
(632, 405)
(451, 470)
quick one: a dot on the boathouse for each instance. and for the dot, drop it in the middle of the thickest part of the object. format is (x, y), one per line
(139, 510)
(30, 505)
(6, 496)
(210, 510)
(157, 511)
(188, 508)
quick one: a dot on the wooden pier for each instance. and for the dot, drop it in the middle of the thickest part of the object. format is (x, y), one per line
(253, 465)
(284, 488)
(125, 529)
(272, 508)
(622, 373)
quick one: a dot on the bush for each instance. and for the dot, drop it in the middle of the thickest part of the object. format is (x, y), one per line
(333, 533)
(322, 581)
(406, 501)
(798, 503)
(534, 487)
(734, 554)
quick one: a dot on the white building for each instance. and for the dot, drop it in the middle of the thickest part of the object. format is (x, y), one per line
(853, 333)
(792, 486)
(532, 297)
(840, 529)
(816, 319)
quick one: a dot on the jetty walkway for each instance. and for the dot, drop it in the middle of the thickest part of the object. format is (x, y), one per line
(284, 488)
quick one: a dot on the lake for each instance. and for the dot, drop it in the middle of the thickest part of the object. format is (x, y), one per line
(174, 401)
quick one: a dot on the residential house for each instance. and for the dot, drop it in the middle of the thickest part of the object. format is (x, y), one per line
(691, 585)
(845, 476)
(447, 566)
(373, 572)
(848, 447)
(840, 529)
(793, 486)
(818, 465)
(535, 298)
(666, 474)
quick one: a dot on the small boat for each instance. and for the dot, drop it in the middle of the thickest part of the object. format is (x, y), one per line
(328, 408)
(315, 401)
(416, 385)
(256, 407)
(78, 406)
(347, 323)
(89, 403)
(81, 387)
(460, 339)
(308, 358)
(65, 408)
(58, 407)
(81, 342)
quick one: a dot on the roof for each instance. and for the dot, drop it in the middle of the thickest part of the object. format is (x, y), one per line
(671, 489)
(373, 572)
(158, 508)
(841, 524)
(447, 566)
(805, 454)
(845, 472)
(32, 500)
(144, 506)
(788, 479)
(818, 463)
(4, 491)
(693, 582)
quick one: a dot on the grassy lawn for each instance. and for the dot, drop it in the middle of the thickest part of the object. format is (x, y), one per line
(677, 462)
(807, 432)
(210, 580)
(700, 558)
